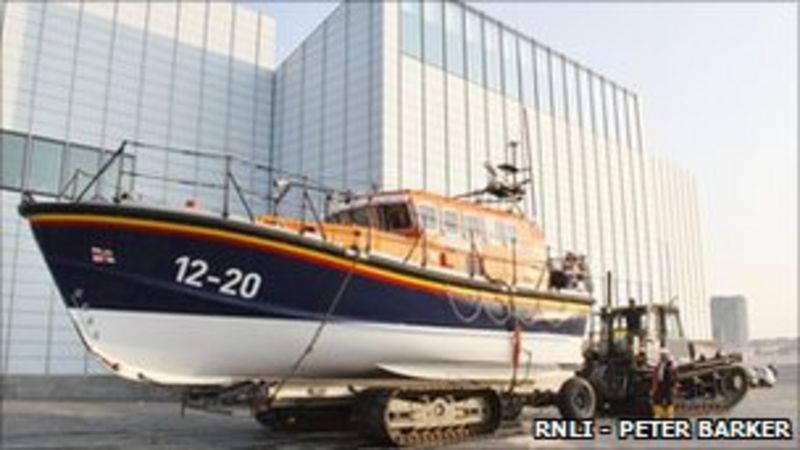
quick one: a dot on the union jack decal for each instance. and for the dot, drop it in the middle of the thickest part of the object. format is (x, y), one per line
(103, 256)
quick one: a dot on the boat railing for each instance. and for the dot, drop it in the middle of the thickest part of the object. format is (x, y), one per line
(223, 183)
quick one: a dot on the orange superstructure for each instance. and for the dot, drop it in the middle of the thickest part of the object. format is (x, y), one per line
(457, 236)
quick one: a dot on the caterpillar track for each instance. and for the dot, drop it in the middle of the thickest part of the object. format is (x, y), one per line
(710, 387)
(398, 413)
(432, 416)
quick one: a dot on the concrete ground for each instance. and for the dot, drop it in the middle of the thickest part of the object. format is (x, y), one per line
(75, 424)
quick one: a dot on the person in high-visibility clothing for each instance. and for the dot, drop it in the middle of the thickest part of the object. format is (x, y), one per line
(664, 387)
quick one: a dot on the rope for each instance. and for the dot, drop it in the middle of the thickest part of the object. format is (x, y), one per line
(516, 341)
(317, 333)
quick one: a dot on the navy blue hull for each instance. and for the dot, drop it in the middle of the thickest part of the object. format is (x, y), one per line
(127, 260)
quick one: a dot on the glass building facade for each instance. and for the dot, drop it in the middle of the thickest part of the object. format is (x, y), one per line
(77, 79)
(387, 95)
(420, 94)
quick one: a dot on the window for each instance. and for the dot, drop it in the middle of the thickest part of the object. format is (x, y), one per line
(673, 328)
(497, 234)
(433, 32)
(510, 234)
(492, 42)
(394, 217)
(510, 65)
(454, 25)
(504, 233)
(474, 48)
(360, 216)
(451, 223)
(85, 159)
(412, 27)
(429, 217)
(526, 69)
(357, 216)
(45, 166)
(12, 160)
(340, 218)
(475, 228)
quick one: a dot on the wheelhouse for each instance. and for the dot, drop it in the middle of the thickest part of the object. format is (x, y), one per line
(436, 217)
(456, 235)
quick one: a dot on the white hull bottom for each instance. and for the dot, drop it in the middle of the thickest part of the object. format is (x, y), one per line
(184, 349)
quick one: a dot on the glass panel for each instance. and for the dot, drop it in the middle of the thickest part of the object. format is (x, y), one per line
(527, 73)
(511, 233)
(543, 78)
(429, 217)
(492, 36)
(510, 65)
(597, 106)
(360, 216)
(585, 102)
(12, 159)
(632, 122)
(497, 232)
(46, 166)
(454, 24)
(474, 48)
(85, 159)
(608, 101)
(450, 223)
(623, 117)
(570, 81)
(394, 217)
(433, 31)
(557, 71)
(412, 27)
(476, 227)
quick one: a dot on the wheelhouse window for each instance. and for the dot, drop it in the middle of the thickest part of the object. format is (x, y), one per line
(504, 233)
(475, 228)
(429, 217)
(356, 216)
(360, 216)
(496, 232)
(510, 235)
(394, 217)
(451, 223)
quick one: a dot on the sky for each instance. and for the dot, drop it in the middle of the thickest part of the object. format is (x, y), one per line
(718, 85)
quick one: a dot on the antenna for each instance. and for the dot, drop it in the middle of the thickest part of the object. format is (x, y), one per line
(529, 160)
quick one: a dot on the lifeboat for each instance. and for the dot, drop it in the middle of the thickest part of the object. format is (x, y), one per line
(403, 284)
